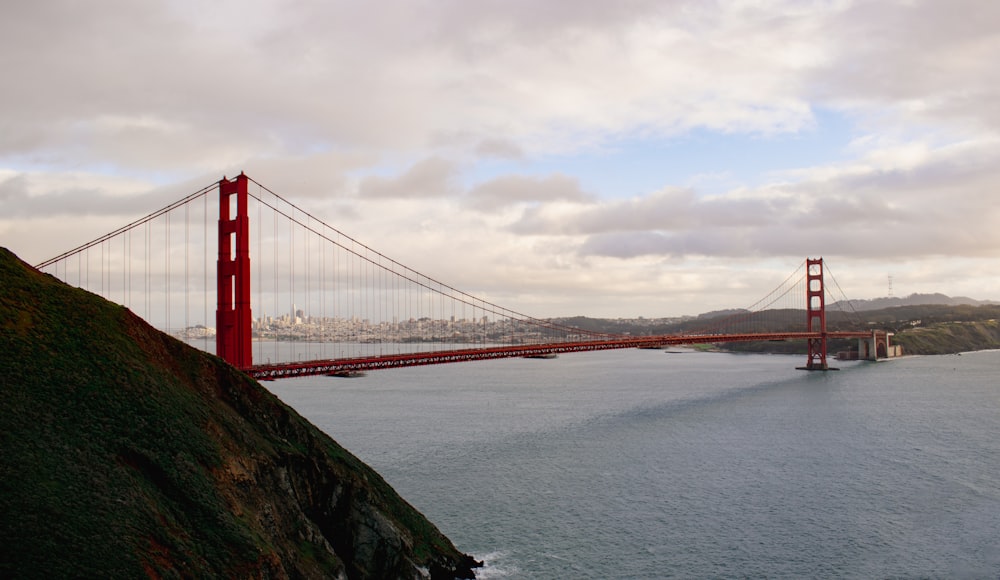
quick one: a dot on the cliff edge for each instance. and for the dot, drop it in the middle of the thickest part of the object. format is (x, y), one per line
(126, 453)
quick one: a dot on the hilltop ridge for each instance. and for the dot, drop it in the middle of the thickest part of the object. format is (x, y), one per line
(127, 453)
(935, 298)
(926, 324)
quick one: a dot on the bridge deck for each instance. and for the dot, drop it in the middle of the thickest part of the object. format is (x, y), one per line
(361, 364)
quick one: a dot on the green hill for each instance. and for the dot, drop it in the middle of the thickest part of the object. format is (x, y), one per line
(950, 337)
(126, 453)
(939, 328)
(919, 328)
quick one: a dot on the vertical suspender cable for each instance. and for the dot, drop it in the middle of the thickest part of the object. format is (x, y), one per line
(308, 310)
(395, 309)
(187, 273)
(145, 275)
(383, 305)
(274, 269)
(166, 278)
(259, 302)
(291, 263)
(367, 288)
(204, 270)
(322, 298)
(335, 310)
(128, 264)
(352, 281)
(125, 265)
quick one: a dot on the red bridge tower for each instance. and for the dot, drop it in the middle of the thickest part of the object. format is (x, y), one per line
(816, 315)
(232, 317)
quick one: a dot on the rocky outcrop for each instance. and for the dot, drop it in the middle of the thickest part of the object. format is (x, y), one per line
(128, 454)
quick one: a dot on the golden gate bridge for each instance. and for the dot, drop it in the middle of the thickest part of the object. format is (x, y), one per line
(389, 314)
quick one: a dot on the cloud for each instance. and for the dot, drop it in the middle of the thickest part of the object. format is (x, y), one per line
(932, 208)
(500, 148)
(192, 92)
(108, 106)
(432, 177)
(29, 195)
(511, 78)
(669, 209)
(913, 61)
(513, 189)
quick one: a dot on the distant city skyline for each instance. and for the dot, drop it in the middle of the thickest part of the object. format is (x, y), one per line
(591, 158)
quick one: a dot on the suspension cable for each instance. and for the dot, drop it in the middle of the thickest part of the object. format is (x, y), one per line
(127, 227)
(455, 293)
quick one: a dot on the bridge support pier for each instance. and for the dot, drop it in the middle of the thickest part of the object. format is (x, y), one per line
(877, 346)
(232, 316)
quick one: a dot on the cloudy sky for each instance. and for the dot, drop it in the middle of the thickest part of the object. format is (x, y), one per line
(622, 158)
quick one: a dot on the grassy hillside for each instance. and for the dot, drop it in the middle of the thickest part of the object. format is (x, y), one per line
(920, 328)
(127, 454)
(950, 337)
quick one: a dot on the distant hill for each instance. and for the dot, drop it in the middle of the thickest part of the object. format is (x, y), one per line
(922, 323)
(127, 454)
(911, 300)
(950, 337)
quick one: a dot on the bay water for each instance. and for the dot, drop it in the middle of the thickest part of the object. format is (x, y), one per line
(683, 464)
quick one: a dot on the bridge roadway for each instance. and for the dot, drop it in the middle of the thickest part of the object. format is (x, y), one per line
(367, 363)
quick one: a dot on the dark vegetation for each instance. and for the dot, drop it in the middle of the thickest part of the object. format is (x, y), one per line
(127, 454)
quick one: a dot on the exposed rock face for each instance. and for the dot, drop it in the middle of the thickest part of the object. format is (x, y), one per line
(127, 453)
